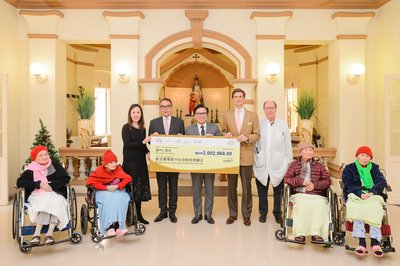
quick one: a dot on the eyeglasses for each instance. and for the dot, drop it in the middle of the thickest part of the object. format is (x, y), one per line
(165, 106)
(201, 113)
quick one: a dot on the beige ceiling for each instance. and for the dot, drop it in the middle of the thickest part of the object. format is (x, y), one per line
(206, 4)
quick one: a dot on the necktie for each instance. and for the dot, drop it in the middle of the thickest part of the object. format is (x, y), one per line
(202, 131)
(238, 122)
(166, 126)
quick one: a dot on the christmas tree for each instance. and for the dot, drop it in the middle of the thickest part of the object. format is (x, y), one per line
(43, 138)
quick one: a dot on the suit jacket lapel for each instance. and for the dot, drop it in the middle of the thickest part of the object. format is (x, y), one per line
(233, 119)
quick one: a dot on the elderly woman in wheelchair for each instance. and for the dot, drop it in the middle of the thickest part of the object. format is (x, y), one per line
(309, 181)
(363, 186)
(112, 200)
(45, 184)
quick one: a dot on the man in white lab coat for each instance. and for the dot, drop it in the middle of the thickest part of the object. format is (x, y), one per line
(272, 155)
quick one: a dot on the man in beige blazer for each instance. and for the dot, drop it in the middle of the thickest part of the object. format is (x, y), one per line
(243, 125)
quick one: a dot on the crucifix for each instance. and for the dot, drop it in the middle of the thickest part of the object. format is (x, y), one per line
(196, 57)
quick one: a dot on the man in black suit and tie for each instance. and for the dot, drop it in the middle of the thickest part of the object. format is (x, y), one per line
(202, 128)
(168, 125)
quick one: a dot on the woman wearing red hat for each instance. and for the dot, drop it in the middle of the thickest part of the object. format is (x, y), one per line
(112, 201)
(363, 185)
(45, 188)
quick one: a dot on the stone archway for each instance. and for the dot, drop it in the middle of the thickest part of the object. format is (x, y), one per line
(224, 44)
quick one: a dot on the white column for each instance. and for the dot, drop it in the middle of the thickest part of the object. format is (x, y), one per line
(347, 119)
(47, 97)
(271, 28)
(124, 28)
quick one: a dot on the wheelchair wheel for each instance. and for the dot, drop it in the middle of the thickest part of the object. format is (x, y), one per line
(140, 229)
(285, 202)
(15, 216)
(129, 215)
(73, 207)
(84, 218)
(24, 247)
(280, 235)
(336, 219)
(97, 237)
(338, 238)
(76, 238)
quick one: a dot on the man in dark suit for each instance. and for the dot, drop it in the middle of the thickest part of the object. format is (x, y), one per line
(168, 125)
(244, 125)
(202, 128)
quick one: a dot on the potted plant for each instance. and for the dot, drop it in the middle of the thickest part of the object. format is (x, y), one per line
(306, 108)
(85, 106)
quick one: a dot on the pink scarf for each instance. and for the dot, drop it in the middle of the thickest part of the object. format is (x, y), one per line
(39, 173)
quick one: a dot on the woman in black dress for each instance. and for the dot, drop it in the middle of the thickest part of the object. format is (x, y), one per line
(134, 153)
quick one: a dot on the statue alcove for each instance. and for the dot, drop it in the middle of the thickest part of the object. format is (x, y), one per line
(214, 86)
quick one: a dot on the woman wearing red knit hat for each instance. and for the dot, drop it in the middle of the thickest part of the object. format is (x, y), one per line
(112, 201)
(363, 185)
(45, 188)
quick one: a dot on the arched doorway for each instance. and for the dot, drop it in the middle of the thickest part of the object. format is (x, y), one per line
(214, 72)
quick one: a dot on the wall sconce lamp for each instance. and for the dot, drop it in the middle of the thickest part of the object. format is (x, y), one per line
(38, 71)
(272, 71)
(122, 70)
(356, 70)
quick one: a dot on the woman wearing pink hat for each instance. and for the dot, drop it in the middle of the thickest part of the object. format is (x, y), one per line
(309, 181)
(363, 185)
(45, 187)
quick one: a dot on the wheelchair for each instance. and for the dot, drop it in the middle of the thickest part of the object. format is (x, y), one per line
(89, 214)
(347, 226)
(22, 228)
(285, 232)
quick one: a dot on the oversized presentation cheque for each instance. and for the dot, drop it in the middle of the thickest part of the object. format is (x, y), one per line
(194, 154)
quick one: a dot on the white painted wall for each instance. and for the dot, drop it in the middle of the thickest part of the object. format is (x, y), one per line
(10, 65)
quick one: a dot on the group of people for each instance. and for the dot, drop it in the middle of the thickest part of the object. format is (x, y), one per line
(265, 150)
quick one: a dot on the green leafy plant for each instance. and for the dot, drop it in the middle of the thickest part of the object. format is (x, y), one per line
(85, 106)
(306, 105)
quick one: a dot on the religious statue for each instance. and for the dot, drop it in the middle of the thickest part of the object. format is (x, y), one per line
(192, 102)
(195, 97)
(198, 92)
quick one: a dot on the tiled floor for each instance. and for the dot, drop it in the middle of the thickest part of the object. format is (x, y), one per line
(182, 243)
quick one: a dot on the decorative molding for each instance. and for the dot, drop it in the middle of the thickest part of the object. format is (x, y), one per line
(236, 46)
(271, 14)
(210, 4)
(248, 101)
(352, 15)
(83, 48)
(41, 13)
(42, 36)
(125, 36)
(239, 81)
(192, 14)
(351, 37)
(123, 14)
(306, 49)
(196, 18)
(150, 102)
(79, 63)
(314, 62)
(206, 33)
(150, 81)
(270, 37)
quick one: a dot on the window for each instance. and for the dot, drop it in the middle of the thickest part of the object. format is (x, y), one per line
(102, 112)
(292, 117)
